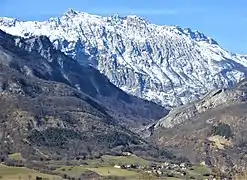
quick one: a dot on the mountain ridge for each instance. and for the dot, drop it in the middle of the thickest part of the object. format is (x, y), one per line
(60, 68)
(165, 64)
(52, 107)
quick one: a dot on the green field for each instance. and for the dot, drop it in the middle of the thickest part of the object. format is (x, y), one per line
(117, 160)
(16, 157)
(123, 160)
(17, 173)
(104, 167)
(199, 171)
(111, 171)
(72, 171)
(77, 171)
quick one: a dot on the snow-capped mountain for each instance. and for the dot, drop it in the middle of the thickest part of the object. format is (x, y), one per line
(165, 64)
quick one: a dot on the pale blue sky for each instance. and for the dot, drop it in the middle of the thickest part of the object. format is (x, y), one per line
(224, 20)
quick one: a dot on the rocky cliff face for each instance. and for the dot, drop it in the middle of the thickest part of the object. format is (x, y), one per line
(212, 100)
(165, 64)
(211, 130)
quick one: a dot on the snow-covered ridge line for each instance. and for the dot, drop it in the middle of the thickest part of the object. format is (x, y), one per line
(13, 22)
(169, 65)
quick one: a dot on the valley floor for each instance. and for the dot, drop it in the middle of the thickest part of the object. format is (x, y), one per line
(106, 167)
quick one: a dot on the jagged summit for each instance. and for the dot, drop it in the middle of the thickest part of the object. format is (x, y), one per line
(198, 36)
(169, 65)
(72, 12)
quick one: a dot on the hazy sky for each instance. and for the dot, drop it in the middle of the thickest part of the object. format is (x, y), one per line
(223, 20)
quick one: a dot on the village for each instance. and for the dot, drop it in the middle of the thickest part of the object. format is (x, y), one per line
(165, 169)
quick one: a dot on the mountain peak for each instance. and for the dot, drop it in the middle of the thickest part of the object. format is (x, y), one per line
(196, 35)
(71, 12)
(169, 65)
(5, 21)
